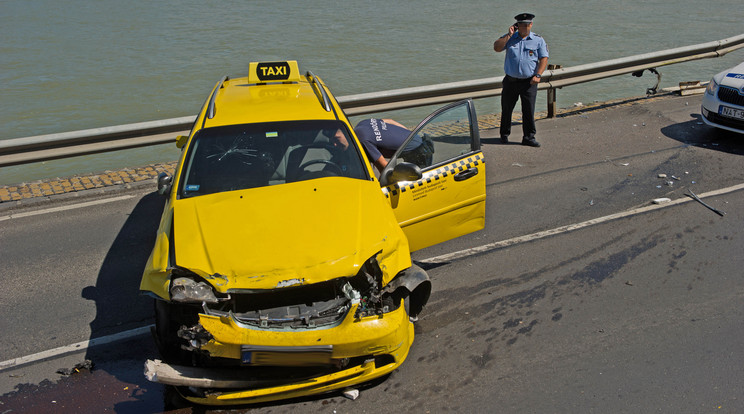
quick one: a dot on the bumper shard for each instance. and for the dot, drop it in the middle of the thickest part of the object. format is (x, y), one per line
(214, 386)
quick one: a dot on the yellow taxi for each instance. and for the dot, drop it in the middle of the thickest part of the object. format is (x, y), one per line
(282, 263)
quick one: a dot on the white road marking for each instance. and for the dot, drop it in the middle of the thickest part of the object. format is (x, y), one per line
(69, 349)
(65, 208)
(84, 345)
(571, 227)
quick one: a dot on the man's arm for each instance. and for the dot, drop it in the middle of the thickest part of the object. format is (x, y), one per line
(500, 43)
(381, 163)
(542, 63)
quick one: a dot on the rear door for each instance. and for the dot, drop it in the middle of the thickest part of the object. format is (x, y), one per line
(449, 200)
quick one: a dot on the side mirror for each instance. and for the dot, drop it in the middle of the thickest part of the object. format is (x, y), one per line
(404, 171)
(181, 140)
(164, 183)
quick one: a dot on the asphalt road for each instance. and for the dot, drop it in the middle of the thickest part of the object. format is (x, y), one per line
(639, 313)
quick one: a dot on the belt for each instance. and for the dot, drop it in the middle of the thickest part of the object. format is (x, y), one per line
(512, 78)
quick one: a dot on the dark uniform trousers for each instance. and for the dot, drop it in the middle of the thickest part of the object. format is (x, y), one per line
(522, 89)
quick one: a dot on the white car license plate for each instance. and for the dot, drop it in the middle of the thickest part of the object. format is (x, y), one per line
(731, 112)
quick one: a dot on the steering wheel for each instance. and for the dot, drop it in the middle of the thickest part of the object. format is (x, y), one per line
(335, 167)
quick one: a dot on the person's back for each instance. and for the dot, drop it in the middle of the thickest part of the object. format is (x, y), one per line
(382, 137)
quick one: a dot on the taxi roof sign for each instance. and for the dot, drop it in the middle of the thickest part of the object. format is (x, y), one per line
(263, 72)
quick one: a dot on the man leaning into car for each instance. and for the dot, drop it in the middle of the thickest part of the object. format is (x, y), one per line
(382, 137)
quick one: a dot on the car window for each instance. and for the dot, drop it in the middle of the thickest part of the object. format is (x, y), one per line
(246, 156)
(445, 135)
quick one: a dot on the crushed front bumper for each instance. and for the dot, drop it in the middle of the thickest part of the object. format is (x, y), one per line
(360, 350)
(253, 391)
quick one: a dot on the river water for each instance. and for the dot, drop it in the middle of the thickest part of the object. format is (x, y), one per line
(78, 64)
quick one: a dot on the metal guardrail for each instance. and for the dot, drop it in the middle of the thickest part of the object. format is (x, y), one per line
(90, 141)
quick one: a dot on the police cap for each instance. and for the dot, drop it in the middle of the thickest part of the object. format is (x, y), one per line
(524, 17)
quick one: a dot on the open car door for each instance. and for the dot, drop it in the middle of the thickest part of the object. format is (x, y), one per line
(438, 189)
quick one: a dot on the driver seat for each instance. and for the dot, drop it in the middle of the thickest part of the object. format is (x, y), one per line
(299, 156)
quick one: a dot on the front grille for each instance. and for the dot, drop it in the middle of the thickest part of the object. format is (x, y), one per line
(730, 95)
(309, 306)
(315, 315)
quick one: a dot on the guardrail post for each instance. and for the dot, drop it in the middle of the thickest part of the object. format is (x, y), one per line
(552, 95)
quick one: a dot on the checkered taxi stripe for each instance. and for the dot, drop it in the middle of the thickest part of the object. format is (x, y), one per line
(434, 175)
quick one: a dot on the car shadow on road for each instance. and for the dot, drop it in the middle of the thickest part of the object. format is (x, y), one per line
(119, 305)
(696, 133)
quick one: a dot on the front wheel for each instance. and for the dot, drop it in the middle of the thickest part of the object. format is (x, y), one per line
(169, 318)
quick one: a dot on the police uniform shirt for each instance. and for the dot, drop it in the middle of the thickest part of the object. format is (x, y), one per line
(522, 55)
(382, 139)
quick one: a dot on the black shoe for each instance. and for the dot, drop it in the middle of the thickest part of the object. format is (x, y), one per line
(504, 139)
(530, 142)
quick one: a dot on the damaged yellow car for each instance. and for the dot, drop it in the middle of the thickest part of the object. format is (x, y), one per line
(282, 264)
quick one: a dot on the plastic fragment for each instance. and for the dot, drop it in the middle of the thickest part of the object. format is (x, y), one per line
(351, 393)
(661, 200)
(662, 176)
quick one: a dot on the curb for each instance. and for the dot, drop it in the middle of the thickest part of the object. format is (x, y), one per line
(78, 185)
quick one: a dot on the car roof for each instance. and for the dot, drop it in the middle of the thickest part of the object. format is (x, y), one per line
(252, 99)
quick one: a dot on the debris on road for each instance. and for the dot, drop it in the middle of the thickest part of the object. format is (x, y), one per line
(696, 198)
(351, 393)
(661, 200)
(85, 365)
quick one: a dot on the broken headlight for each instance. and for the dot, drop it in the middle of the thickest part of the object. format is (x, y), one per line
(189, 290)
(368, 284)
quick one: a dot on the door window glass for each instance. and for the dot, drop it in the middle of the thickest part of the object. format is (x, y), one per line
(445, 135)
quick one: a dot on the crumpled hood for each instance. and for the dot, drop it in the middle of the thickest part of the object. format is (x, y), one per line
(286, 235)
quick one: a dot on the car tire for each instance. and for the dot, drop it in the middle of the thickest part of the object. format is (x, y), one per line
(168, 320)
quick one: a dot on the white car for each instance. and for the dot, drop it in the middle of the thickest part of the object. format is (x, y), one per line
(723, 101)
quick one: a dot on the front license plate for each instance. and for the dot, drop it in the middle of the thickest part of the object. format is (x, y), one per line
(286, 356)
(731, 112)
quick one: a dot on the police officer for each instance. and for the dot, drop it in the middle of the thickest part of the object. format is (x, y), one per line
(525, 61)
